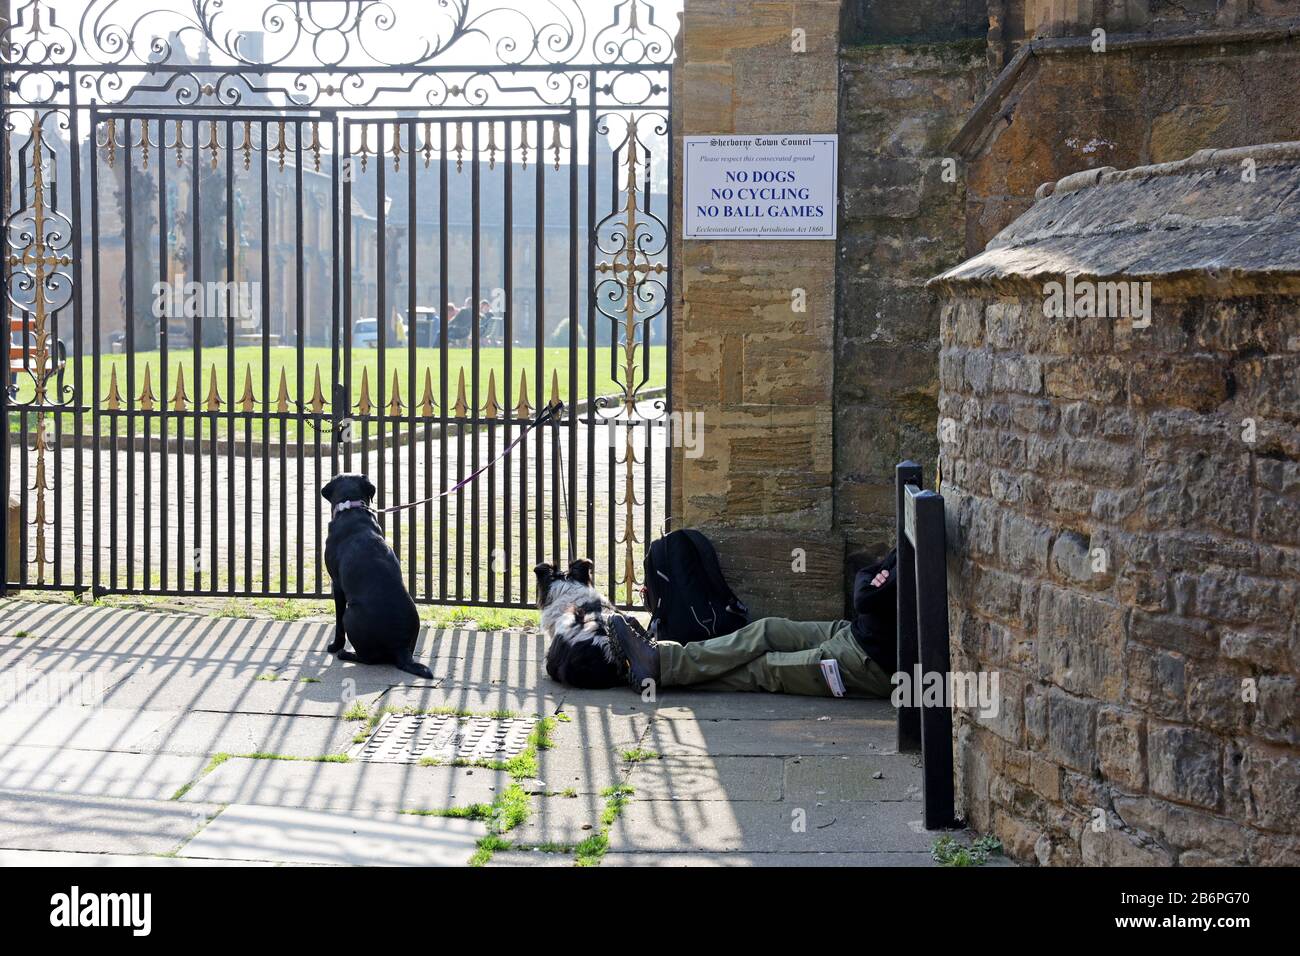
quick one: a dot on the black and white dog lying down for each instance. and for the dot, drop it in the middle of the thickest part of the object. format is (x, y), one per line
(584, 629)
(372, 607)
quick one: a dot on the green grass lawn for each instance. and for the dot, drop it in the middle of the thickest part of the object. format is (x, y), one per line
(491, 362)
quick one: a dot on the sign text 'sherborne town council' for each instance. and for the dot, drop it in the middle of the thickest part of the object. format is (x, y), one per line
(770, 186)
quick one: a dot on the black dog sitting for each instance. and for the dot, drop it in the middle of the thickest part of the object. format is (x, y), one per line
(372, 606)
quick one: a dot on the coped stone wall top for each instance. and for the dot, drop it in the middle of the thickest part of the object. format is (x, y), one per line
(1218, 218)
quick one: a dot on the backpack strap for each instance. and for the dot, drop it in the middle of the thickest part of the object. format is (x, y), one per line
(654, 559)
(709, 559)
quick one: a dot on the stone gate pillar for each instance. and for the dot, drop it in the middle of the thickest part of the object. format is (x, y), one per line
(758, 373)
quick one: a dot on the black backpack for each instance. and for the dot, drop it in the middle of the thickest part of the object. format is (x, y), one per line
(685, 592)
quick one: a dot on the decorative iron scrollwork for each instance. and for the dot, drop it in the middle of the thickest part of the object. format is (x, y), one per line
(39, 238)
(632, 292)
(491, 75)
(338, 33)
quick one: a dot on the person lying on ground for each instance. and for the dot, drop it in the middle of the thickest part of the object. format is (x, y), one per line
(782, 656)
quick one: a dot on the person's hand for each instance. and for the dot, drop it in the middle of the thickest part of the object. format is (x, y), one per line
(879, 580)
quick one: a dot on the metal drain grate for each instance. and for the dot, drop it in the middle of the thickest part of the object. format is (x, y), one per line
(410, 738)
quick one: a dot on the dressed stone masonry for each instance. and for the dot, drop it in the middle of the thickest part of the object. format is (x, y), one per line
(1125, 516)
(754, 322)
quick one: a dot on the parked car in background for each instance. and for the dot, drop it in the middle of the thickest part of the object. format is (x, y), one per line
(365, 333)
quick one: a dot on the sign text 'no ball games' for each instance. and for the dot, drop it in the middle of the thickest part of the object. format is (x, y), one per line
(771, 186)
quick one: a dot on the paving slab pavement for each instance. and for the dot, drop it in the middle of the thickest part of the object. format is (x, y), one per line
(80, 728)
(735, 779)
(476, 698)
(570, 765)
(596, 726)
(96, 773)
(902, 858)
(703, 778)
(484, 648)
(238, 688)
(361, 787)
(59, 858)
(680, 703)
(838, 735)
(563, 820)
(213, 732)
(290, 835)
(159, 635)
(757, 826)
(853, 778)
(535, 858)
(47, 821)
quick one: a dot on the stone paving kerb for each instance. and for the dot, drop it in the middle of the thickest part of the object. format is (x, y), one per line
(210, 741)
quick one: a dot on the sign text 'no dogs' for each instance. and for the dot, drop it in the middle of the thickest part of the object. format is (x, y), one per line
(770, 186)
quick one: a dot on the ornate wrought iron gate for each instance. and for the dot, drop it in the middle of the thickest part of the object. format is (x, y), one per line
(250, 245)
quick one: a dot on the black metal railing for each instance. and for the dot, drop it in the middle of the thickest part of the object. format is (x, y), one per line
(923, 658)
(422, 255)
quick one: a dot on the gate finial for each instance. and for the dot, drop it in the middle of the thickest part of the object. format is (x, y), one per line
(282, 399)
(317, 396)
(491, 409)
(283, 146)
(315, 146)
(111, 141)
(522, 409)
(213, 144)
(113, 401)
(363, 404)
(179, 398)
(555, 141)
(395, 398)
(246, 400)
(213, 401)
(523, 143)
(461, 409)
(147, 397)
(426, 403)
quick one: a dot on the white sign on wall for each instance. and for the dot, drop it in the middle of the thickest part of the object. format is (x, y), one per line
(770, 186)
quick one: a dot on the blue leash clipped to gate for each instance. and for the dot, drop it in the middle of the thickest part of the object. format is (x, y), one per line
(551, 414)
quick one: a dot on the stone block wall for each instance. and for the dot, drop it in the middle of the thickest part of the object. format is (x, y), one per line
(902, 221)
(805, 413)
(1137, 104)
(1023, 19)
(929, 21)
(759, 372)
(1130, 565)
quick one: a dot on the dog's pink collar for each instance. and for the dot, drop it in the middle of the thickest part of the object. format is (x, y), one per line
(345, 505)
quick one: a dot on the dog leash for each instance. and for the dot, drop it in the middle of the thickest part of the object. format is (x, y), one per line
(552, 413)
(564, 490)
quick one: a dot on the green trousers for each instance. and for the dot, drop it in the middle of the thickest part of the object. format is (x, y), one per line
(776, 655)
